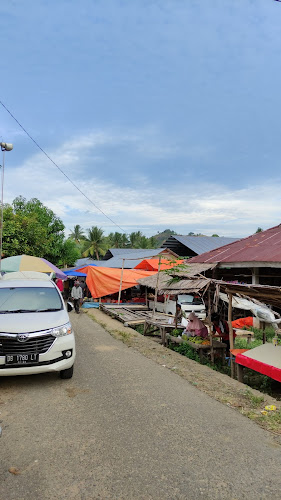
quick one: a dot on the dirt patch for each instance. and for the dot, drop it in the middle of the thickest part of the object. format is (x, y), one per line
(72, 392)
(228, 391)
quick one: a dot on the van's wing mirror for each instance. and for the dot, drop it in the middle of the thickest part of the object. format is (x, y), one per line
(69, 306)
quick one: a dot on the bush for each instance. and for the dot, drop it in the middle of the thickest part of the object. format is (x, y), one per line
(187, 351)
(243, 344)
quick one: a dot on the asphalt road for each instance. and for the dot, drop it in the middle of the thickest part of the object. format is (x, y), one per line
(126, 428)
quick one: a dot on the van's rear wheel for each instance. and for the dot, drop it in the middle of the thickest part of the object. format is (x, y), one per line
(67, 373)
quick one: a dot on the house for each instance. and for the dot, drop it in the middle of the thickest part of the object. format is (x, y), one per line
(255, 259)
(190, 246)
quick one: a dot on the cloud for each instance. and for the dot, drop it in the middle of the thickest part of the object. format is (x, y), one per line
(208, 207)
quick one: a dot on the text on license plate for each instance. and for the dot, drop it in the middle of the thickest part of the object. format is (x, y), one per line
(21, 359)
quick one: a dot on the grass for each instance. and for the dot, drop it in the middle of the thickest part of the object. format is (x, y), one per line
(271, 421)
(254, 400)
(125, 336)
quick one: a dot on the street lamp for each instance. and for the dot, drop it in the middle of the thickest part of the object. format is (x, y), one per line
(5, 146)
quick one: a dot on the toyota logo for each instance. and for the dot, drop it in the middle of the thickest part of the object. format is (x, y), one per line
(22, 337)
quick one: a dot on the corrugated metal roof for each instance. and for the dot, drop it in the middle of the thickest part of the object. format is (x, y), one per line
(84, 262)
(132, 256)
(201, 244)
(137, 252)
(117, 263)
(260, 247)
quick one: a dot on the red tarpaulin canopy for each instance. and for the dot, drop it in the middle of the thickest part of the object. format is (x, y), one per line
(152, 264)
(103, 281)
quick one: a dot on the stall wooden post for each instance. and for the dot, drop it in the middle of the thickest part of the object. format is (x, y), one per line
(240, 373)
(263, 332)
(210, 327)
(146, 296)
(157, 284)
(230, 331)
(121, 279)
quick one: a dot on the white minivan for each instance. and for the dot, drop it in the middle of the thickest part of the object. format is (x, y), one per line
(189, 303)
(36, 335)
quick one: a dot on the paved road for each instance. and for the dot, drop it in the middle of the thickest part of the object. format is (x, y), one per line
(127, 428)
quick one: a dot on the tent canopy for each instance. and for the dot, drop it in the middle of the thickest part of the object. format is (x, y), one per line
(152, 264)
(74, 271)
(103, 281)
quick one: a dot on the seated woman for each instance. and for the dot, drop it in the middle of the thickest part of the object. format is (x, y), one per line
(195, 327)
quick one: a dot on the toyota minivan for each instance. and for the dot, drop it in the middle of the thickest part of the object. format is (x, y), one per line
(36, 335)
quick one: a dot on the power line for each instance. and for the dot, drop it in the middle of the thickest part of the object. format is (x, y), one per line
(62, 172)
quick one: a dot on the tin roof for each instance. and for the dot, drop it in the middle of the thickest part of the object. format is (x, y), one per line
(134, 253)
(197, 244)
(260, 247)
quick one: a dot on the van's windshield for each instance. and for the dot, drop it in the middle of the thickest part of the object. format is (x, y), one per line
(25, 300)
(190, 299)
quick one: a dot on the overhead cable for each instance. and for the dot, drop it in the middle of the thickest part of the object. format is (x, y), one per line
(60, 169)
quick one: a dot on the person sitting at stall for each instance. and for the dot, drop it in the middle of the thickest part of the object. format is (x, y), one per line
(220, 326)
(179, 315)
(195, 327)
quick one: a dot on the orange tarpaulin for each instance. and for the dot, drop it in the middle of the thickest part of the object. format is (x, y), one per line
(152, 264)
(103, 281)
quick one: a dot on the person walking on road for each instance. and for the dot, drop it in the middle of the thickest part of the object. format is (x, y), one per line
(76, 294)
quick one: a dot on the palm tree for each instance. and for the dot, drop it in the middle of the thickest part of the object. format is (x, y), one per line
(94, 243)
(135, 239)
(77, 234)
(152, 242)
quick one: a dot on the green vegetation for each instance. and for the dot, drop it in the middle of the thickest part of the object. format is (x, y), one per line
(176, 332)
(255, 400)
(244, 344)
(187, 351)
(33, 229)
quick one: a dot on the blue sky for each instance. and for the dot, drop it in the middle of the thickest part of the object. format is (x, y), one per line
(166, 113)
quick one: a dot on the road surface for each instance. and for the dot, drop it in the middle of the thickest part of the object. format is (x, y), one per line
(126, 428)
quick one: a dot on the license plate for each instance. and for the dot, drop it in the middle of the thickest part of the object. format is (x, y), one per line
(21, 359)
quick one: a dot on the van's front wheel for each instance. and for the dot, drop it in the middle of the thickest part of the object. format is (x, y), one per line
(67, 373)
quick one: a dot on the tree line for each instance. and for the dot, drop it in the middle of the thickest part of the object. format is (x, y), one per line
(31, 228)
(93, 243)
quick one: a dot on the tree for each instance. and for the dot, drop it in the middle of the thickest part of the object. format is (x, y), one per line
(69, 253)
(77, 234)
(134, 238)
(215, 236)
(117, 240)
(259, 230)
(94, 243)
(33, 229)
(152, 242)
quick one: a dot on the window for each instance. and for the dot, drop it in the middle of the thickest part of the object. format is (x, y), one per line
(29, 299)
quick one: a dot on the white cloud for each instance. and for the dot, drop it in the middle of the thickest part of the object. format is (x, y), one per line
(211, 208)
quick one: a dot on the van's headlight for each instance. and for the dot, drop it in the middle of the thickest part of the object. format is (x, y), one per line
(62, 330)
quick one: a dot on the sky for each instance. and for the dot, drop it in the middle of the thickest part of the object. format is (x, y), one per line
(164, 113)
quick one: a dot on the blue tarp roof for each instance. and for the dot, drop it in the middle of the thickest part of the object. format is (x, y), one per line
(74, 272)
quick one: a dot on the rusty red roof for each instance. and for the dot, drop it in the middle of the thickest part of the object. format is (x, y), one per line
(260, 247)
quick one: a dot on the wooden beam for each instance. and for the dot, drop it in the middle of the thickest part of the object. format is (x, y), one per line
(121, 279)
(230, 321)
(230, 332)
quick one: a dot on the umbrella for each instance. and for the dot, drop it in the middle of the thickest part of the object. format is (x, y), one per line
(30, 263)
